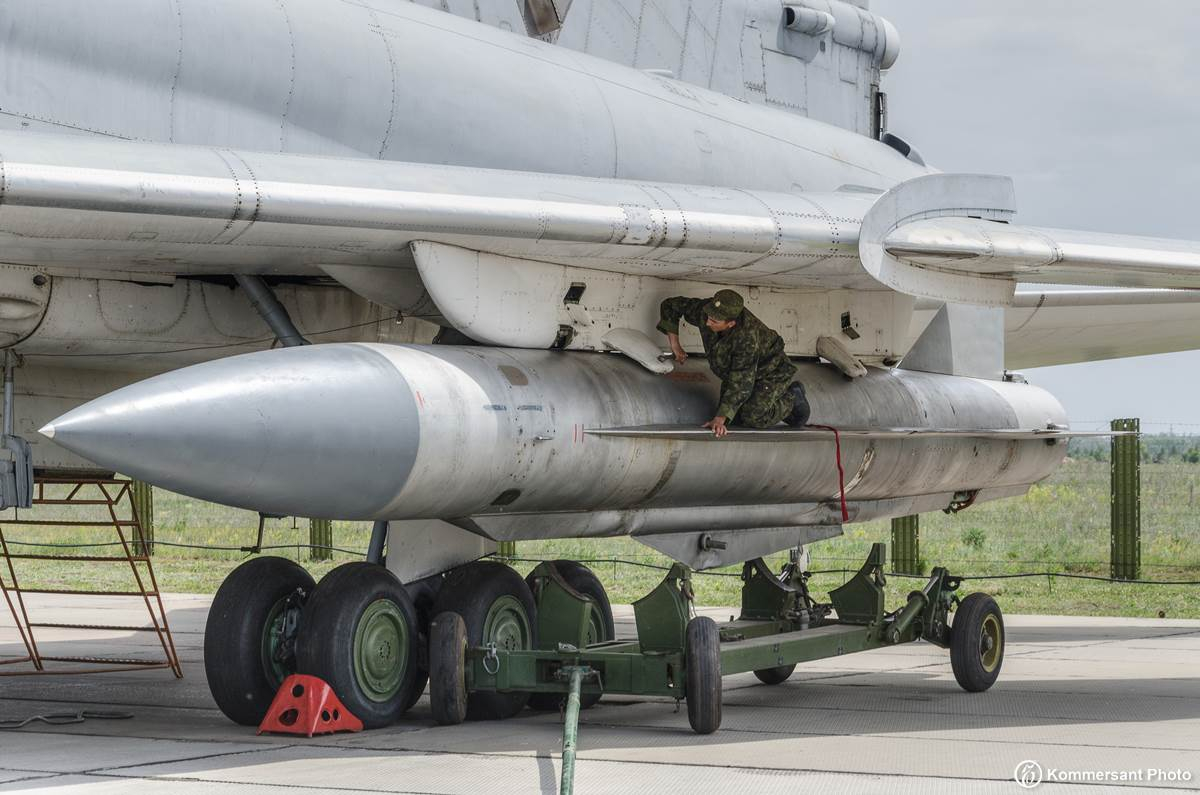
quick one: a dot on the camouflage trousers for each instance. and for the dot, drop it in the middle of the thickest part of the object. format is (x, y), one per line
(768, 404)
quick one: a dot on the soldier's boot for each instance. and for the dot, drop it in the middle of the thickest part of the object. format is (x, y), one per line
(800, 408)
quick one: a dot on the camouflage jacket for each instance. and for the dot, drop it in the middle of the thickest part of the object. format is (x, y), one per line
(740, 357)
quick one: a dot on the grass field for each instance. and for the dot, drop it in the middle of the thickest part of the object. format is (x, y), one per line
(1060, 526)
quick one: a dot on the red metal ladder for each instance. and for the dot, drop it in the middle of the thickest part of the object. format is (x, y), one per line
(114, 495)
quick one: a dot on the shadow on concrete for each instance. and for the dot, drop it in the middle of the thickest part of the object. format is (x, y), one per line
(154, 687)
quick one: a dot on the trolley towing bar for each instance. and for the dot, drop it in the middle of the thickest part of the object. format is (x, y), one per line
(684, 657)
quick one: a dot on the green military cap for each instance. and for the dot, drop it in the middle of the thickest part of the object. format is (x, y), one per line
(725, 305)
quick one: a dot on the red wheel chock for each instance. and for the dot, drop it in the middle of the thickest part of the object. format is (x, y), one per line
(307, 705)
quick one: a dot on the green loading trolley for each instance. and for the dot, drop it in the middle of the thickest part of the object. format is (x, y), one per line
(683, 656)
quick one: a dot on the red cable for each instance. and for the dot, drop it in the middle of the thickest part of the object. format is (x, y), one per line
(837, 445)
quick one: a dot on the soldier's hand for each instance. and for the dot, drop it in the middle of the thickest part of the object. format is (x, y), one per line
(676, 348)
(718, 426)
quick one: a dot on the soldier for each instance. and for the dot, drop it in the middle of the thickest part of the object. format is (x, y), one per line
(756, 377)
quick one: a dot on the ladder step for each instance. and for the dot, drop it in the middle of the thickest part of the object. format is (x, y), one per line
(67, 592)
(83, 558)
(102, 660)
(112, 500)
(114, 627)
(66, 523)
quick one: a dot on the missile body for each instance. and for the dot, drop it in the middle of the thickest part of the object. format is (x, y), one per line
(372, 431)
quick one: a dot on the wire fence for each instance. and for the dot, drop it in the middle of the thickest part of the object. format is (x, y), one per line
(206, 547)
(1187, 428)
(1059, 531)
(846, 572)
(655, 562)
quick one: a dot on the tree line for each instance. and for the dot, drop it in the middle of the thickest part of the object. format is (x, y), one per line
(1157, 448)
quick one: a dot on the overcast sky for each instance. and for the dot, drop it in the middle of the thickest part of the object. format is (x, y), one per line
(1093, 107)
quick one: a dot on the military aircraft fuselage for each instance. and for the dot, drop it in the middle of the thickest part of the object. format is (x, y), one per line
(394, 80)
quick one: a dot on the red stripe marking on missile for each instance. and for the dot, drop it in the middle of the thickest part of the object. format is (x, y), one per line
(420, 400)
(837, 446)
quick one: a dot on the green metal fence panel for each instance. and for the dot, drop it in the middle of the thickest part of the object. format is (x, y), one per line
(1126, 501)
(906, 545)
(142, 496)
(320, 536)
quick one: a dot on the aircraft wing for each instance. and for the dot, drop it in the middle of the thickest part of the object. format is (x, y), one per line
(989, 249)
(1067, 326)
(494, 247)
(70, 200)
(502, 256)
(1064, 326)
(949, 237)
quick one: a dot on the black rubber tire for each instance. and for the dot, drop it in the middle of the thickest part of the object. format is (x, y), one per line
(470, 591)
(423, 593)
(331, 621)
(702, 653)
(423, 675)
(583, 580)
(775, 676)
(241, 681)
(447, 661)
(976, 615)
(422, 680)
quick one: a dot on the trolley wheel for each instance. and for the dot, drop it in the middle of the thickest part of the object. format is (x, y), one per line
(702, 652)
(447, 666)
(245, 625)
(361, 637)
(977, 642)
(497, 607)
(775, 676)
(600, 625)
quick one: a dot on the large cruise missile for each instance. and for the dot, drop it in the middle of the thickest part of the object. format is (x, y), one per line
(370, 431)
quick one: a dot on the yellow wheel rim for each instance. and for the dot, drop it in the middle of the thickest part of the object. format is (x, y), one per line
(991, 642)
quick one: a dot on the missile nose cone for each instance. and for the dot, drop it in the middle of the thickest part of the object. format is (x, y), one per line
(47, 431)
(324, 431)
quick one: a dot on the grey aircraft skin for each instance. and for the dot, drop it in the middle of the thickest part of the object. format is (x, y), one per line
(533, 178)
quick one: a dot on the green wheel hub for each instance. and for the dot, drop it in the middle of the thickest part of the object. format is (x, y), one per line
(991, 642)
(381, 650)
(272, 636)
(507, 626)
